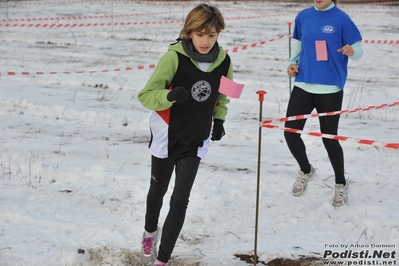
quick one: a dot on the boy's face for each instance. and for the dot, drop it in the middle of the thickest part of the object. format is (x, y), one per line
(202, 42)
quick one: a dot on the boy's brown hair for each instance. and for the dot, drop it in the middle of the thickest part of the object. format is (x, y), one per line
(203, 18)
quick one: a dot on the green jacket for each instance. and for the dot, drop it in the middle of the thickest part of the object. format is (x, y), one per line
(153, 95)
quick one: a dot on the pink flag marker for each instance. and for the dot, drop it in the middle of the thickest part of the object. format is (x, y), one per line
(230, 88)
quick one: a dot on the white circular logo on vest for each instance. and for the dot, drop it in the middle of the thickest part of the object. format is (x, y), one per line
(201, 90)
(328, 29)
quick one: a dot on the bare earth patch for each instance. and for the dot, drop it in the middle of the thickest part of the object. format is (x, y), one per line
(101, 255)
(302, 261)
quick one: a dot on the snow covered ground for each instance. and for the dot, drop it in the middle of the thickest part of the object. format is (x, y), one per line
(74, 163)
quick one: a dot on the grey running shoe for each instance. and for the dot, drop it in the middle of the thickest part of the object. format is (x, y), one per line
(341, 195)
(149, 250)
(301, 184)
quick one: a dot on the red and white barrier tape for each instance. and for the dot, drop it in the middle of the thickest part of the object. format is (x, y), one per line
(104, 24)
(335, 137)
(267, 124)
(18, 20)
(233, 50)
(30, 3)
(381, 41)
(29, 73)
(255, 44)
(371, 3)
(300, 117)
(34, 3)
(121, 16)
(81, 25)
(118, 16)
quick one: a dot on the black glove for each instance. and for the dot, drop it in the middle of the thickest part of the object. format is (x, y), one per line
(178, 94)
(218, 130)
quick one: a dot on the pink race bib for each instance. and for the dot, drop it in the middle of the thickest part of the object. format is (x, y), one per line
(321, 50)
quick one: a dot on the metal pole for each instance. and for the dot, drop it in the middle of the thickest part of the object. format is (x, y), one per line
(261, 94)
(289, 53)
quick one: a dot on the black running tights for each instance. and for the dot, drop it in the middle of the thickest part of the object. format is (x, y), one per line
(161, 172)
(302, 102)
